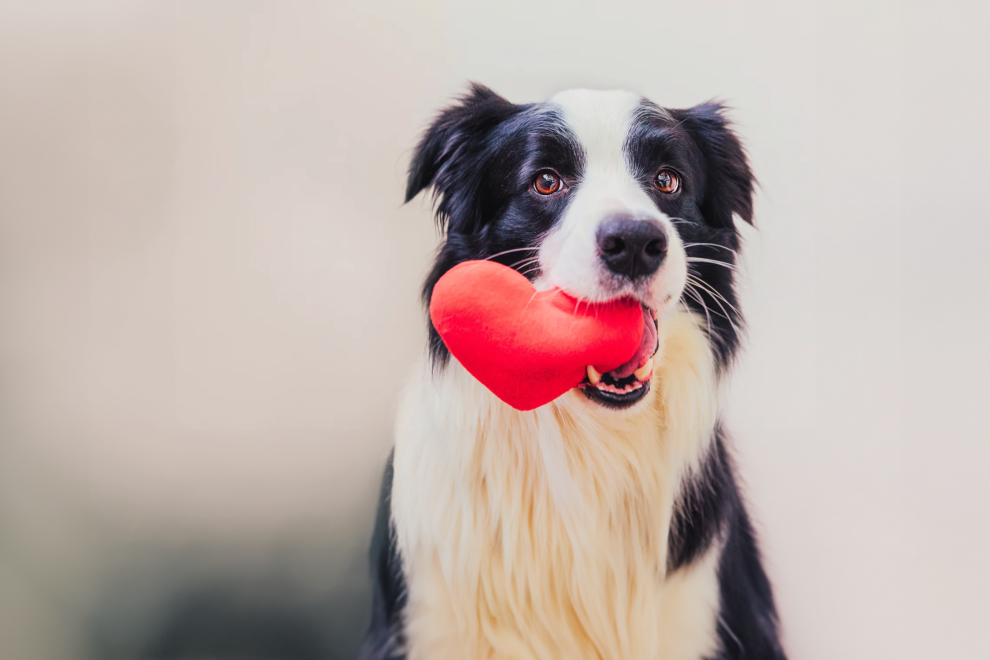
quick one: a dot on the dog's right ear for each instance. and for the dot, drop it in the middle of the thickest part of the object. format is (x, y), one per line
(728, 187)
(453, 150)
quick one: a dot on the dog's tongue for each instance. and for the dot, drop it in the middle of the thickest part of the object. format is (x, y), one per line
(647, 347)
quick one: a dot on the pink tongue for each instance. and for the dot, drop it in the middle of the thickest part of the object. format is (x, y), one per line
(646, 348)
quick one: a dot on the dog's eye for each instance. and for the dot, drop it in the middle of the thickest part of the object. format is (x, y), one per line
(546, 183)
(667, 181)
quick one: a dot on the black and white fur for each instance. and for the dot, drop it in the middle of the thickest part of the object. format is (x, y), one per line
(475, 493)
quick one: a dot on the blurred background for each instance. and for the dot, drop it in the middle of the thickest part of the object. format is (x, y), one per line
(209, 303)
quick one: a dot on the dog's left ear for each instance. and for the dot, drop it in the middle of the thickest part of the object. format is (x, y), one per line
(728, 185)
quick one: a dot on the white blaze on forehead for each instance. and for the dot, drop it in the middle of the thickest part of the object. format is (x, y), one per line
(600, 121)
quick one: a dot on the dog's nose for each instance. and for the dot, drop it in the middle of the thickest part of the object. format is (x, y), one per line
(632, 248)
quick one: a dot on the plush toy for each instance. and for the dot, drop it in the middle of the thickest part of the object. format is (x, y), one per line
(527, 346)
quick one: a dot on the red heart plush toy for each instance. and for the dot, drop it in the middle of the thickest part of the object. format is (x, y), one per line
(527, 346)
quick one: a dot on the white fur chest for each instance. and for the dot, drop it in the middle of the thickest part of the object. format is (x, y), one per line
(544, 534)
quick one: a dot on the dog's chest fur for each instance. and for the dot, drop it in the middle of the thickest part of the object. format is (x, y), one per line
(544, 534)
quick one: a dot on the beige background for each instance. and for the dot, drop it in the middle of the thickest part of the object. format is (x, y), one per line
(208, 293)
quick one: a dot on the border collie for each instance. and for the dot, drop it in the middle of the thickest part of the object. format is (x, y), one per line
(607, 524)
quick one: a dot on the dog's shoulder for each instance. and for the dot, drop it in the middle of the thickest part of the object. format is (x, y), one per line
(710, 510)
(383, 640)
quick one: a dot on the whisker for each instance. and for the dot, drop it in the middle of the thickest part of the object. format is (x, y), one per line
(715, 245)
(499, 254)
(588, 305)
(554, 295)
(708, 291)
(528, 271)
(711, 261)
(689, 311)
(524, 262)
(689, 288)
(715, 296)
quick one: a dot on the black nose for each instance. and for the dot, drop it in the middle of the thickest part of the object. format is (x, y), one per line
(632, 248)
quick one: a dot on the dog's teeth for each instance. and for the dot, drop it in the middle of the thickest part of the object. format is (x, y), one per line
(644, 372)
(593, 375)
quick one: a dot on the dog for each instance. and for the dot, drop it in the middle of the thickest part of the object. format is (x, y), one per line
(607, 524)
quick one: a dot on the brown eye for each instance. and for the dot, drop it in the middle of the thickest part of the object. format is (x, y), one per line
(667, 182)
(546, 183)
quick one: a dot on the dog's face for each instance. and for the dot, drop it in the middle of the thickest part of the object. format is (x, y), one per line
(602, 194)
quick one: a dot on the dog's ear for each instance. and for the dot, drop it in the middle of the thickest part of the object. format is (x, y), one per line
(728, 185)
(452, 150)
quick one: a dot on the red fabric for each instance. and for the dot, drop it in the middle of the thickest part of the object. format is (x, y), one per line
(528, 347)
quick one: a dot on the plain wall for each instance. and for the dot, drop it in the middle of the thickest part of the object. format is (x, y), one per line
(209, 293)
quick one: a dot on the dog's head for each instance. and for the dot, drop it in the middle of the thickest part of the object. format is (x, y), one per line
(603, 194)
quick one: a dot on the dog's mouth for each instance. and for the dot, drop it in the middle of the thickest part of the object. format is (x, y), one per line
(627, 384)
